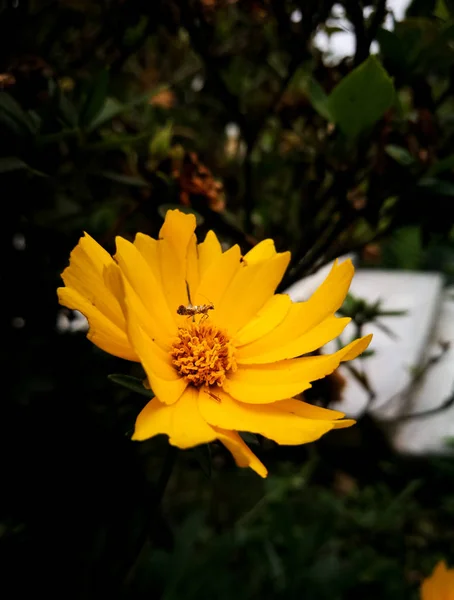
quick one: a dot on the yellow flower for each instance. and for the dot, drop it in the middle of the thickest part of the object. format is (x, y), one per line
(234, 365)
(440, 585)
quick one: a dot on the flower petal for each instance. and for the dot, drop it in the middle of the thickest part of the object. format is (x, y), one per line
(440, 585)
(262, 351)
(262, 251)
(259, 384)
(85, 274)
(243, 455)
(305, 325)
(192, 265)
(103, 333)
(329, 296)
(86, 290)
(175, 236)
(274, 420)
(147, 289)
(164, 380)
(208, 251)
(181, 421)
(217, 277)
(248, 291)
(267, 318)
(309, 411)
(148, 247)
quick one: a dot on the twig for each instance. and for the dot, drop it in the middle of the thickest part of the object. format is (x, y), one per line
(424, 413)
(355, 12)
(365, 36)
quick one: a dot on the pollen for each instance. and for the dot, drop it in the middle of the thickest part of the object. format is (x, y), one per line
(203, 355)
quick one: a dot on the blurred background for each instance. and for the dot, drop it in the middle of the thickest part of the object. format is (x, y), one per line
(327, 126)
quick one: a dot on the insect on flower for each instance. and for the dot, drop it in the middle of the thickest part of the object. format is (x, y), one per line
(190, 310)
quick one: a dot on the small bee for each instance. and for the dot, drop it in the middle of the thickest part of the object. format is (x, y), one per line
(191, 311)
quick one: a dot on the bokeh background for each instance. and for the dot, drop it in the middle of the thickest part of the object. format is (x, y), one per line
(326, 126)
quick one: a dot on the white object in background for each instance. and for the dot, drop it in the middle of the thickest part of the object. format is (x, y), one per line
(429, 434)
(65, 324)
(428, 320)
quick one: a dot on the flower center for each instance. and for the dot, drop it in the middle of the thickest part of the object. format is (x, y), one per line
(203, 354)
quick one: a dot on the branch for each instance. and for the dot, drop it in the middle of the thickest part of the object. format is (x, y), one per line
(355, 13)
(365, 36)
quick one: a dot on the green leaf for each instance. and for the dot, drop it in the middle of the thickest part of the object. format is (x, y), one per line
(119, 141)
(96, 97)
(124, 179)
(11, 163)
(113, 108)
(160, 143)
(436, 186)
(55, 138)
(441, 10)
(131, 383)
(12, 114)
(400, 155)
(361, 98)
(319, 99)
(403, 250)
(445, 164)
(109, 110)
(392, 48)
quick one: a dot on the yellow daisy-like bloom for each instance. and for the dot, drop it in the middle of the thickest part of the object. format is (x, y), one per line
(440, 585)
(231, 367)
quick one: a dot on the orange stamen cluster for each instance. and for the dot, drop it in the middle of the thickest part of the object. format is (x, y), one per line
(203, 355)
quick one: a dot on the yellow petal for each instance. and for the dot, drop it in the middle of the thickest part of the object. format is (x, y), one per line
(149, 292)
(86, 290)
(85, 275)
(181, 421)
(344, 423)
(148, 247)
(217, 277)
(192, 265)
(264, 351)
(259, 384)
(264, 250)
(440, 585)
(243, 455)
(176, 234)
(271, 420)
(208, 251)
(165, 382)
(302, 317)
(309, 411)
(103, 333)
(329, 296)
(267, 318)
(249, 290)
(113, 281)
